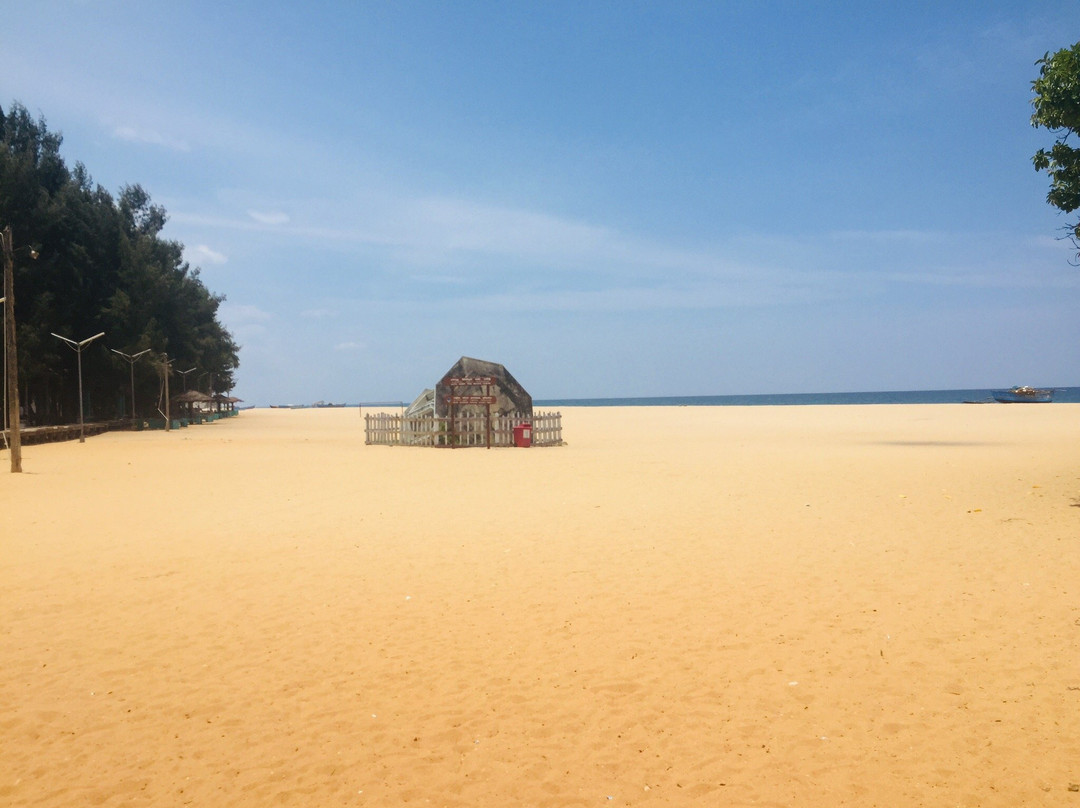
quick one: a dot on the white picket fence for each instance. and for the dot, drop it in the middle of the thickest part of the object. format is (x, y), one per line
(386, 429)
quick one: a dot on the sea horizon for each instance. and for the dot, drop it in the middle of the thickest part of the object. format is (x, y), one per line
(983, 395)
(975, 395)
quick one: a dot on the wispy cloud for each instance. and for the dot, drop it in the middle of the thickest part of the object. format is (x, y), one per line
(269, 217)
(243, 313)
(150, 137)
(910, 236)
(465, 225)
(349, 346)
(202, 254)
(343, 234)
(1004, 278)
(528, 259)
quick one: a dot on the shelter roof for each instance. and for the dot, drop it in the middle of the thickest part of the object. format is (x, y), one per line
(191, 396)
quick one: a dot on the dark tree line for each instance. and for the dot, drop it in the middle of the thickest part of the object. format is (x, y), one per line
(102, 266)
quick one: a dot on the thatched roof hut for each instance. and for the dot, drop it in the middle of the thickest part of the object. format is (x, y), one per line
(191, 397)
(191, 402)
(477, 377)
(475, 403)
(225, 403)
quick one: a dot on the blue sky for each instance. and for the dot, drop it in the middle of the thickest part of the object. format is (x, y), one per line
(610, 198)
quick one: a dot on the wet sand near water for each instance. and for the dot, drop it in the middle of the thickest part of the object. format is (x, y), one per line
(760, 606)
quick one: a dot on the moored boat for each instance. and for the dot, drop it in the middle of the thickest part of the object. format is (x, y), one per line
(1024, 394)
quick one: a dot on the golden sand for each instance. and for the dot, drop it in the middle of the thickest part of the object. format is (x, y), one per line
(769, 606)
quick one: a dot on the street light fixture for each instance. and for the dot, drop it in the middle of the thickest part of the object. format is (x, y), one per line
(131, 360)
(77, 348)
(184, 373)
(11, 360)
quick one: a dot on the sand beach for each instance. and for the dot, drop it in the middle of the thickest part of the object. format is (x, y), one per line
(739, 606)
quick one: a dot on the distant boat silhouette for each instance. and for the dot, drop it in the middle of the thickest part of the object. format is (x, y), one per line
(1024, 395)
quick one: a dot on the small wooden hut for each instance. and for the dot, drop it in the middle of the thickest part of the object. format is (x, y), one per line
(477, 378)
(225, 405)
(191, 405)
(475, 403)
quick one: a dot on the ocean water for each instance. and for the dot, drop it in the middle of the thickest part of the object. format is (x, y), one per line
(1062, 394)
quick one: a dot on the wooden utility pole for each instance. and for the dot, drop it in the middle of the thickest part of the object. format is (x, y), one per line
(11, 369)
(165, 370)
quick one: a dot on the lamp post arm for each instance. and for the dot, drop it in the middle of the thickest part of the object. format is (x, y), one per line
(131, 361)
(88, 340)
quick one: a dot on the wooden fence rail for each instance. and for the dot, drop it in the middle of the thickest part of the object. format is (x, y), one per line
(30, 435)
(386, 429)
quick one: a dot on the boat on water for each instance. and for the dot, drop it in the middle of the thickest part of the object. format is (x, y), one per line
(1024, 395)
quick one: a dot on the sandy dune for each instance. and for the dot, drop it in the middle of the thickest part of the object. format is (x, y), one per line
(769, 606)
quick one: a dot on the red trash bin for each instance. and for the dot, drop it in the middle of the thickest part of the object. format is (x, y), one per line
(523, 435)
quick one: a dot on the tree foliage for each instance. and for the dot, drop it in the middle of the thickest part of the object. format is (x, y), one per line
(1057, 108)
(103, 266)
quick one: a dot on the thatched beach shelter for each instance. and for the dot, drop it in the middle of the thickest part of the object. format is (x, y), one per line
(191, 403)
(226, 404)
(475, 403)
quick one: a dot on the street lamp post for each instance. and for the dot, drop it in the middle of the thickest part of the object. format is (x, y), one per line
(3, 338)
(165, 371)
(184, 373)
(3, 418)
(77, 348)
(11, 360)
(131, 360)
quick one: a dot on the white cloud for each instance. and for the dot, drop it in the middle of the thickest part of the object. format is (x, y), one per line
(243, 314)
(349, 346)
(911, 236)
(203, 254)
(269, 217)
(246, 331)
(149, 137)
(463, 225)
(559, 263)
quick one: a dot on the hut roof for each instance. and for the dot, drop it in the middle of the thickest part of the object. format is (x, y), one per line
(191, 397)
(509, 395)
